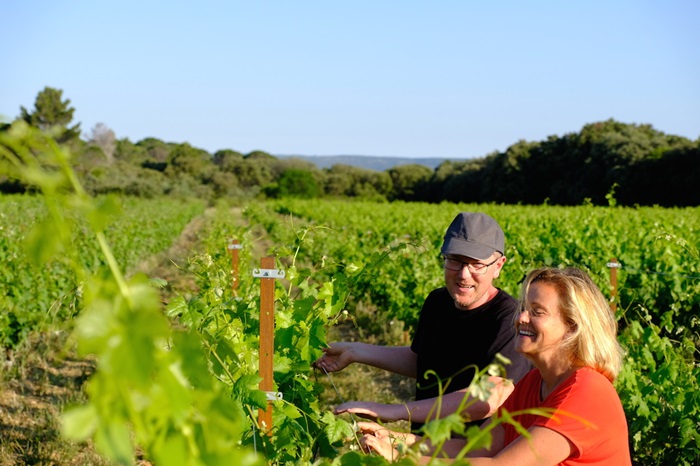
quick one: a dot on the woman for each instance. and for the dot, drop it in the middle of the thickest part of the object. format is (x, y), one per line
(566, 328)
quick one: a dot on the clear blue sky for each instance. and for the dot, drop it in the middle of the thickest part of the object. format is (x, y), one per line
(449, 78)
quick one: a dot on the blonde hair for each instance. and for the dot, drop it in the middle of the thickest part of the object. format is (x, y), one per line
(592, 340)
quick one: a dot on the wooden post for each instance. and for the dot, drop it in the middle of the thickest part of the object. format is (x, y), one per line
(613, 265)
(234, 246)
(267, 335)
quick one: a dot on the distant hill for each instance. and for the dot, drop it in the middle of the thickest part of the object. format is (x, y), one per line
(377, 163)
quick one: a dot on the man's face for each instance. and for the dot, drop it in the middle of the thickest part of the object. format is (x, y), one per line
(471, 289)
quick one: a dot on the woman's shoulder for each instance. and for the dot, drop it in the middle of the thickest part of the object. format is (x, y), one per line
(587, 386)
(590, 378)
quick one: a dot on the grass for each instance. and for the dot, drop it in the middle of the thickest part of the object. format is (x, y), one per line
(38, 380)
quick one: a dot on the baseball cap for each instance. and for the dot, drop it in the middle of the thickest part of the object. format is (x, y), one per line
(475, 235)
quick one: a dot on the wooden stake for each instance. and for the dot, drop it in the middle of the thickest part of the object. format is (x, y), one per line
(267, 335)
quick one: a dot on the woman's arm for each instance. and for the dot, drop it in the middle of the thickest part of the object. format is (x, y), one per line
(433, 408)
(545, 447)
(385, 442)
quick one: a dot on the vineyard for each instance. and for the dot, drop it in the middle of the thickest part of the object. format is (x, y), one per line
(177, 380)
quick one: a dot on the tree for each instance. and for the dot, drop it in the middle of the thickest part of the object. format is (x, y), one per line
(104, 138)
(225, 184)
(260, 155)
(297, 183)
(190, 160)
(227, 159)
(437, 188)
(156, 150)
(408, 180)
(51, 113)
(347, 180)
(127, 151)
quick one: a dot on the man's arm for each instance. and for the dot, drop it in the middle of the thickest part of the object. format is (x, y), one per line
(433, 408)
(397, 359)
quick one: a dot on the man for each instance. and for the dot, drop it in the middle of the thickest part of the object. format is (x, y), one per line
(461, 325)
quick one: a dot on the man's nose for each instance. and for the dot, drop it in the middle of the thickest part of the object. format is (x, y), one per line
(464, 271)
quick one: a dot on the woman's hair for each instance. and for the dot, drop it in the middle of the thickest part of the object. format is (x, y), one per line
(592, 340)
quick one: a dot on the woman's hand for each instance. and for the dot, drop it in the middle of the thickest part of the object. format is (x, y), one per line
(379, 439)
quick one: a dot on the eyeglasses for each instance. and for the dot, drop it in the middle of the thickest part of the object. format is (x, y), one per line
(475, 268)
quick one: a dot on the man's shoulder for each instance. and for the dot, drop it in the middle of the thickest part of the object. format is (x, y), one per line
(439, 293)
(502, 301)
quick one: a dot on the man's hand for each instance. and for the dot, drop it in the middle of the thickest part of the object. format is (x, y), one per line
(336, 357)
(374, 411)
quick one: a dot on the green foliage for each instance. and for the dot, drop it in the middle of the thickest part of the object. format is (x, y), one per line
(152, 384)
(156, 150)
(660, 389)
(295, 183)
(52, 114)
(260, 155)
(124, 178)
(135, 228)
(229, 325)
(568, 170)
(408, 181)
(227, 159)
(151, 379)
(38, 254)
(646, 166)
(184, 158)
(346, 180)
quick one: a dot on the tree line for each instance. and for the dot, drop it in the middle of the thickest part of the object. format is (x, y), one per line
(606, 162)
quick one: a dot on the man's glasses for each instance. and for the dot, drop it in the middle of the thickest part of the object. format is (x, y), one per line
(475, 268)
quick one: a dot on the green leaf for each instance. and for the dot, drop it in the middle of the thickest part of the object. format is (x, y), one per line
(289, 410)
(440, 430)
(303, 308)
(177, 306)
(173, 451)
(114, 440)
(176, 392)
(79, 422)
(43, 242)
(352, 459)
(159, 283)
(337, 429)
(257, 398)
(103, 211)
